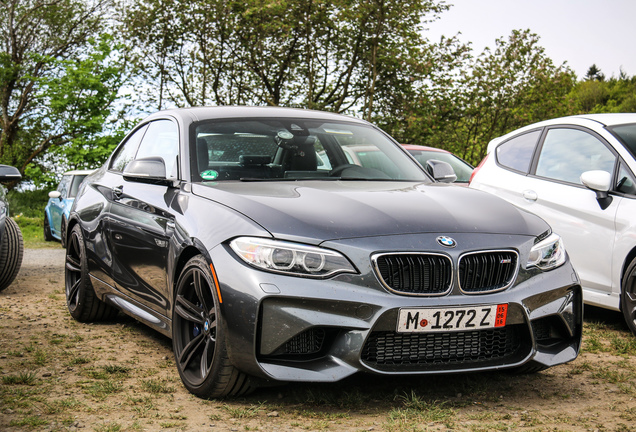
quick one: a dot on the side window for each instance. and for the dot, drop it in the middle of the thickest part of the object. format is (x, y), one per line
(127, 150)
(77, 181)
(517, 152)
(161, 139)
(625, 182)
(568, 153)
(62, 188)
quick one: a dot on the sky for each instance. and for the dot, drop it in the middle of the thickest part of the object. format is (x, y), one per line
(579, 32)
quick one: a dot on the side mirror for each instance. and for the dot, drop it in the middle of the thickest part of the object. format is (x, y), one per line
(54, 194)
(9, 173)
(147, 170)
(600, 182)
(441, 171)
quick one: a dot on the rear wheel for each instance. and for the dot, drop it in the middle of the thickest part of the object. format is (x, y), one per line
(11, 252)
(199, 337)
(81, 300)
(63, 232)
(628, 296)
(47, 229)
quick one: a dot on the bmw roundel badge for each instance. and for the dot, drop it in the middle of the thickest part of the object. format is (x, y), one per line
(446, 241)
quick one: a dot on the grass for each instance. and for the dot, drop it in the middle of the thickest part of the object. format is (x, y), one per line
(22, 378)
(130, 398)
(27, 209)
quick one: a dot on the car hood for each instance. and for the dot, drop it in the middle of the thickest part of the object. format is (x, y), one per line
(316, 211)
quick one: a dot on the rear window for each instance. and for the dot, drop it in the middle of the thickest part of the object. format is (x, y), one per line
(517, 152)
(627, 135)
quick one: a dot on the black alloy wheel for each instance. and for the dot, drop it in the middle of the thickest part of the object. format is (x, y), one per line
(628, 296)
(81, 300)
(199, 336)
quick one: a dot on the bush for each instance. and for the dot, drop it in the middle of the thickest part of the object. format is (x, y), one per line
(27, 209)
(28, 204)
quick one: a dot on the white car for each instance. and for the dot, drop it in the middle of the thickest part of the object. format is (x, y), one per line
(577, 173)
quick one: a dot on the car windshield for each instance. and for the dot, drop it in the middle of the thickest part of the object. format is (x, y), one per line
(627, 135)
(293, 149)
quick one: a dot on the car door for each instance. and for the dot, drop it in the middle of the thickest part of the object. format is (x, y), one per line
(57, 206)
(552, 189)
(141, 223)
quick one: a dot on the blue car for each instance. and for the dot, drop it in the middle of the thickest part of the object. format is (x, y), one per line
(60, 202)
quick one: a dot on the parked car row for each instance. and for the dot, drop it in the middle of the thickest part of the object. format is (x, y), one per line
(214, 226)
(577, 173)
(279, 245)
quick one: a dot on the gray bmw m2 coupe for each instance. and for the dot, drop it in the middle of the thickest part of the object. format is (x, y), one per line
(246, 236)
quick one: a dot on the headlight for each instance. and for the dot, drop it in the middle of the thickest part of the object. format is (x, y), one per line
(549, 253)
(290, 258)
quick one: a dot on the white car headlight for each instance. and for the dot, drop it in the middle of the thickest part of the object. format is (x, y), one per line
(548, 254)
(290, 258)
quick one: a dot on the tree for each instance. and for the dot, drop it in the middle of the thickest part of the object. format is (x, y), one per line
(339, 55)
(57, 83)
(594, 74)
(512, 86)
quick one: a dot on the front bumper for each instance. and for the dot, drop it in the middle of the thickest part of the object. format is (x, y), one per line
(294, 329)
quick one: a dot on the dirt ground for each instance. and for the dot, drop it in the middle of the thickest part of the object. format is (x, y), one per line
(57, 374)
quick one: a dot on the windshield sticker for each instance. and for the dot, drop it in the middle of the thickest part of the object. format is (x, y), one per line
(209, 175)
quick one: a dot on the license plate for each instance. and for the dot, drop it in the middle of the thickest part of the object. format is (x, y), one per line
(452, 319)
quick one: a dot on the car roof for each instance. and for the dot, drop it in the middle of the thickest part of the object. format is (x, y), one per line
(79, 172)
(608, 119)
(604, 119)
(205, 113)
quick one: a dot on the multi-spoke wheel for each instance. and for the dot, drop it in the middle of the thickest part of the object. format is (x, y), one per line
(628, 296)
(199, 336)
(47, 229)
(81, 300)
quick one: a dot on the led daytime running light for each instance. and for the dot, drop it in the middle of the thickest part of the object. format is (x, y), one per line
(290, 258)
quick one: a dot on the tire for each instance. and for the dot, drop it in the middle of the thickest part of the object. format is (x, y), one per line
(63, 232)
(81, 300)
(11, 253)
(628, 296)
(47, 229)
(199, 337)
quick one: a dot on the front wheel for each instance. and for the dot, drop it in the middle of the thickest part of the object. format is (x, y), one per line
(628, 296)
(199, 336)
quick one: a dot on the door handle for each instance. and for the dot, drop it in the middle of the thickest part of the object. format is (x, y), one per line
(530, 195)
(117, 192)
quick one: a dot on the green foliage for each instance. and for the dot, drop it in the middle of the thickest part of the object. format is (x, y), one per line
(342, 56)
(509, 87)
(59, 79)
(27, 209)
(28, 203)
(607, 95)
(62, 70)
